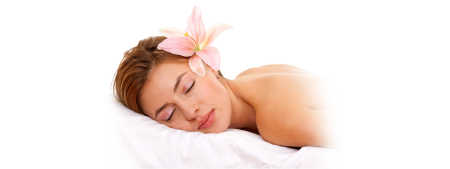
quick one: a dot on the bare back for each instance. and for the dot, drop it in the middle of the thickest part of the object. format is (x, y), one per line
(286, 103)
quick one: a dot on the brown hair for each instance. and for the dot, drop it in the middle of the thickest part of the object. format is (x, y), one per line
(134, 68)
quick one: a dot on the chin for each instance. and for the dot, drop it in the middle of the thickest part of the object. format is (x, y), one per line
(217, 128)
(221, 124)
(220, 131)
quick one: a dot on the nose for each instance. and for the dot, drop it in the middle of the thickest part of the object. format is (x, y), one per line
(190, 110)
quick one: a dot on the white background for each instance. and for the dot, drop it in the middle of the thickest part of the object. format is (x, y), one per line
(385, 64)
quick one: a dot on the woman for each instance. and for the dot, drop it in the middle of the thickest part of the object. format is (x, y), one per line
(276, 101)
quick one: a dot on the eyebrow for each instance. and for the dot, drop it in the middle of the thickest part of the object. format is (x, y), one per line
(174, 89)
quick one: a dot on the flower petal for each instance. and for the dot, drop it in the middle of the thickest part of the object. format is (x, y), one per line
(196, 65)
(210, 55)
(183, 46)
(171, 32)
(213, 32)
(195, 28)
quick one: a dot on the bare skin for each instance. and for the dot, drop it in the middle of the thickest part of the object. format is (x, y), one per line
(278, 102)
(295, 118)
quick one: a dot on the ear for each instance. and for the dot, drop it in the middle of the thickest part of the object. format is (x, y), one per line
(217, 73)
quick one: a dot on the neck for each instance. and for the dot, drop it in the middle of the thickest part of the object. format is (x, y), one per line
(243, 114)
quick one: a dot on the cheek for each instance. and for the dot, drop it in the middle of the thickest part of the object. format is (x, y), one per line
(212, 92)
(215, 94)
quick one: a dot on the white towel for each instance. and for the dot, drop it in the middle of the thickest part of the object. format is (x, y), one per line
(157, 146)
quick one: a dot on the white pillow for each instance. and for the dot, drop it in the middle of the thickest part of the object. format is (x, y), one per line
(158, 146)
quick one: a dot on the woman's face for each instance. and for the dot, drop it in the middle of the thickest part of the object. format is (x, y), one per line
(177, 97)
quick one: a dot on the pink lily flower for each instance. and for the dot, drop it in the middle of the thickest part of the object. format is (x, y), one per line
(194, 43)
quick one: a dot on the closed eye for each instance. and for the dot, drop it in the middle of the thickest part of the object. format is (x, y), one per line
(193, 83)
(171, 114)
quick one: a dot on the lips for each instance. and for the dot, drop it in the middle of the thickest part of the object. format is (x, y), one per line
(207, 120)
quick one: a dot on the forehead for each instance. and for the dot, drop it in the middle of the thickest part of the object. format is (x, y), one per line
(158, 87)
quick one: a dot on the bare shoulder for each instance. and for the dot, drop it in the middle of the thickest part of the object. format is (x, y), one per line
(260, 83)
(286, 104)
(272, 68)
